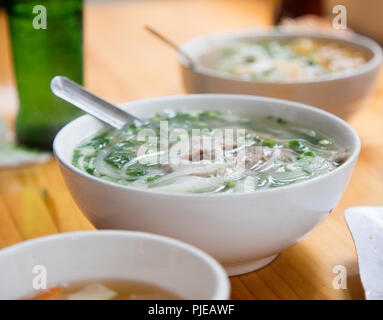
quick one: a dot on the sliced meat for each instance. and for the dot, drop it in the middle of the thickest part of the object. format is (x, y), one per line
(341, 156)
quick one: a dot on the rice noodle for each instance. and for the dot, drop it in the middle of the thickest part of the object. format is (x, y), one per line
(269, 152)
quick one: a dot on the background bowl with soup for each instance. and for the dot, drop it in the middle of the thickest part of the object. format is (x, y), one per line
(302, 161)
(327, 71)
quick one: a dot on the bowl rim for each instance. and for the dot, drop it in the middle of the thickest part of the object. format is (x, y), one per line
(354, 39)
(353, 157)
(222, 290)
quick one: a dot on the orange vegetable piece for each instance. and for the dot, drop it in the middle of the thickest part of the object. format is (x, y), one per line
(51, 294)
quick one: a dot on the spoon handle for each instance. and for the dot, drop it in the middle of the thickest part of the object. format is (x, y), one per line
(171, 44)
(90, 103)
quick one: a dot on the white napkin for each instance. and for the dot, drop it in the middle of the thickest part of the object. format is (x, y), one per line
(366, 225)
(12, 155)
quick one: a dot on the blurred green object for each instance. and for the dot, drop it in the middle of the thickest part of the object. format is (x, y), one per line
(39, 54)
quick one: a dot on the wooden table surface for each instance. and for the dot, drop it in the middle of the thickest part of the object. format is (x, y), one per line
(124, 63)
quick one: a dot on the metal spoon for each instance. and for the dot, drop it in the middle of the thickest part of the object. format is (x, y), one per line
(171, 44)
(103, 110)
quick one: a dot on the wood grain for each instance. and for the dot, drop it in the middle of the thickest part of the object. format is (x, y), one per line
(123, 62)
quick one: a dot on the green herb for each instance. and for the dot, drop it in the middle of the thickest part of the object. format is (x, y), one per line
(153, 178)
(118, 158)
(296, 145)
(194, 116)
(99, 142)
(309, 154)
(158, 117)
(76, 156)
(90, 170)
(268, 143)
(135, 171)
(210, 114)
(231, 184)
(281, 121)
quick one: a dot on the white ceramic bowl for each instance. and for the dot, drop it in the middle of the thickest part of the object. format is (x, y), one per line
(243, 231)
(342, 93)
(77, 256)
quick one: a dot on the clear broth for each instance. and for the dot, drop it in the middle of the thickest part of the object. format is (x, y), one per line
(124, 289)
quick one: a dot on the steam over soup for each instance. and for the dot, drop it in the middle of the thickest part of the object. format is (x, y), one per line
(282, 60)
(209, 152)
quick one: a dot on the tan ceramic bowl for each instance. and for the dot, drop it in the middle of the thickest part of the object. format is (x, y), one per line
(342, 93)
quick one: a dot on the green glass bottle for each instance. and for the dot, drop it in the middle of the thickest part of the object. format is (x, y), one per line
(43, 48)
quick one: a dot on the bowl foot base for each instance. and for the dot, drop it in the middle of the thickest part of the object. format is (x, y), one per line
(248, 266)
